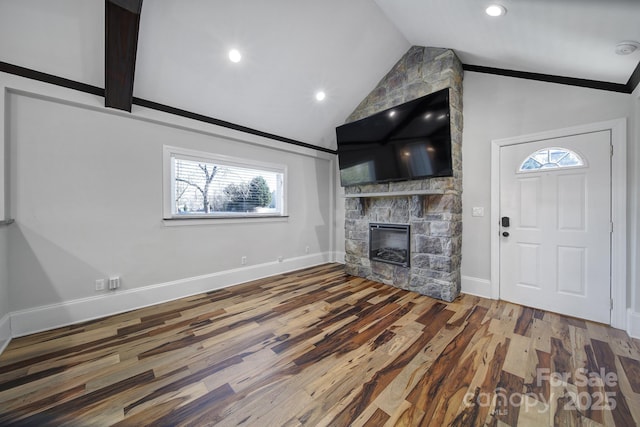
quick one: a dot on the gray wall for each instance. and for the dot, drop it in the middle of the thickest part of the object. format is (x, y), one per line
(5, 321)
(4, 276)
(634, 204)
(87, 199)
(499, 107)
(112, 224)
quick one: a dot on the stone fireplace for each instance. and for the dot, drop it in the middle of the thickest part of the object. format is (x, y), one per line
(430, 208)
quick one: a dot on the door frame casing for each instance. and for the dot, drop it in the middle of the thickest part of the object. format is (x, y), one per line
(618, 129)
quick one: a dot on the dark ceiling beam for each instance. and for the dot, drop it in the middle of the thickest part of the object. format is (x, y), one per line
(549, 78)
(29, 73)
(634, 80)
(94, 90)
(122, 22)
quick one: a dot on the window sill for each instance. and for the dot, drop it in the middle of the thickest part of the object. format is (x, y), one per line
(223, 219)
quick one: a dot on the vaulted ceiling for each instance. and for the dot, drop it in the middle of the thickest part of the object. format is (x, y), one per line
(571, 38)
(293, 48)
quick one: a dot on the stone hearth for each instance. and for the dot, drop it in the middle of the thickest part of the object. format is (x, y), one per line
(435, 219)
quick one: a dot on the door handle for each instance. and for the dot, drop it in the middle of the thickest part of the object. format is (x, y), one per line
(505, 233)
(505, 221)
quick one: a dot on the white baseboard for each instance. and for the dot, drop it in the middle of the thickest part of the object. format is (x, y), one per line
(5, 331)
(633, 323)
(339, 257)
(475, 286)
(38, 319)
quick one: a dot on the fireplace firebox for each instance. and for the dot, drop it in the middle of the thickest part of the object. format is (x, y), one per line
(389, 243)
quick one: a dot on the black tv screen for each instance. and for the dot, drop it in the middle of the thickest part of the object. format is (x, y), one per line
(409, 141)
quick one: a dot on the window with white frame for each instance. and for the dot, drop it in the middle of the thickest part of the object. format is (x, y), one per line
(206, 185)
(551, 158)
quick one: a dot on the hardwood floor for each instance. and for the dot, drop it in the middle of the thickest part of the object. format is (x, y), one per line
(319, 348)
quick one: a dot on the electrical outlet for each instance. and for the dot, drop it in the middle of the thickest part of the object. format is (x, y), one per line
(114, 282)
(243, 260)
(100, 285)
(280, 259)
(306, 250)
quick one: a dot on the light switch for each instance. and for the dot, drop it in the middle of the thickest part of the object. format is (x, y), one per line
(477, 211)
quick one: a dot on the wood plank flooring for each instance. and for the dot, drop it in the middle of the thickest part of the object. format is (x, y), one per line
(319, 348)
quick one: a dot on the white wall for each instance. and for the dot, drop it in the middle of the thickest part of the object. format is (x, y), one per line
(86, 195)
(499, 107)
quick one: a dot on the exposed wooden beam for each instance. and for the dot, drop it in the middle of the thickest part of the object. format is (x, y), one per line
(122, 22)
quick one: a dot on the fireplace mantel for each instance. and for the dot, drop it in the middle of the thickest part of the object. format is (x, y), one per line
(394, 193)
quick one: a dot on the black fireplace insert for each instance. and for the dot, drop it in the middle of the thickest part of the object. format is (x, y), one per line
(389, 243)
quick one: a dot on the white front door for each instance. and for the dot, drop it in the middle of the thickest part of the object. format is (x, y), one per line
(555, 251)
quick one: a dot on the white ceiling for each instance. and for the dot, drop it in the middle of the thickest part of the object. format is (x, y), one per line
(291, 48)
(571, 38)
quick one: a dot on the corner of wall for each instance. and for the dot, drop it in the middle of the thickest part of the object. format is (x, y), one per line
(475, 286)
(5, 331)
(633, 323)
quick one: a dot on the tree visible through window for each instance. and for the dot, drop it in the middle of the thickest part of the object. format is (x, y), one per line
(551, 158)
(205, 187)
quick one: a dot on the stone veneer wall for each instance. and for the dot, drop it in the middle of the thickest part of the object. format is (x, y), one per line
(435, 220)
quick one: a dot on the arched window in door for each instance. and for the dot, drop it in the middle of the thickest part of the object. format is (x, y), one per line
(551, 158)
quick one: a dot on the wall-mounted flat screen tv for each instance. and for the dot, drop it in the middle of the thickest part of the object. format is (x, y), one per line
(409, 141)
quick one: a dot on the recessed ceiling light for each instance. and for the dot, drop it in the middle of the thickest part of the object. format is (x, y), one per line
(234, 55)
(392, 113)
(495, 10)
(627, 47)
(320, 95)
